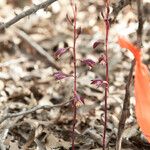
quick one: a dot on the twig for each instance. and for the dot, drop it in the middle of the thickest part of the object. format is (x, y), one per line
(141, 21)
(28, 12)
(35, 108)
(37, 47)
(125, 112)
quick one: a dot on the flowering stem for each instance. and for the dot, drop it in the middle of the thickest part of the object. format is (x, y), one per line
(107, 72)
(74, 9)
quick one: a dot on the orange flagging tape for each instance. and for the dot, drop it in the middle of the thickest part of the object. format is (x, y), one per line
(142, 88)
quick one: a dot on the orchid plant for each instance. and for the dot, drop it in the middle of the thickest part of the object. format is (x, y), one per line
(103, 59)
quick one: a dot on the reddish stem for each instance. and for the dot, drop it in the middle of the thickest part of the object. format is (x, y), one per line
(74, 9)
(107, 72)
(74, 124)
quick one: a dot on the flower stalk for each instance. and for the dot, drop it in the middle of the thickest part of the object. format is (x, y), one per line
(106, 19)
(74, 9)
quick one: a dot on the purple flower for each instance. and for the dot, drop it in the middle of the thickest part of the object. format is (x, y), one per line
(60, 52)
(98, 42)
(90, 63)
(79, 31)
(99, 82)
(60, 75)
(69, 19)
(78, 98)
(102, 59)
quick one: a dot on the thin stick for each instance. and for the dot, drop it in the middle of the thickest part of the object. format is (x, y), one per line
(141, 21)
(125, 111)
(28, 12)
(37, 47)
(29, 111)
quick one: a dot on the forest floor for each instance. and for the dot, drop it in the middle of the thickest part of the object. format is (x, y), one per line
(27, 80)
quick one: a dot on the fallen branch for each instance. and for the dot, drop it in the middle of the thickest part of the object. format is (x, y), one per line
(35, 108)
(28, 12)
(37, 47)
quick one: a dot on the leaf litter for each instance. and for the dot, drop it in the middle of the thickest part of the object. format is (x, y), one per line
(26, 79)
